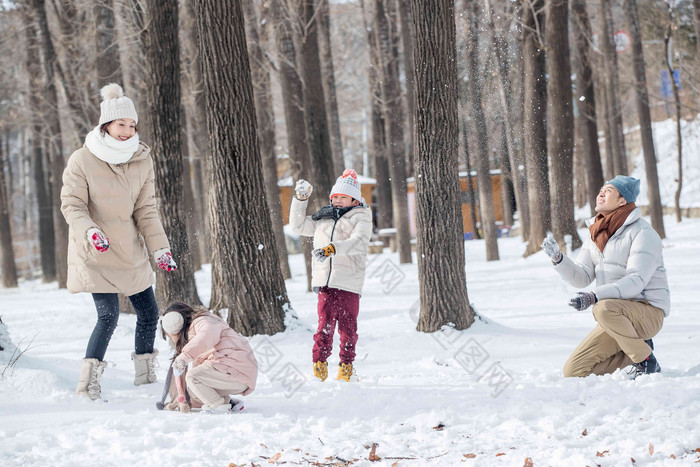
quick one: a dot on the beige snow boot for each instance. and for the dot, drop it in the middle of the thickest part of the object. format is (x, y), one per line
(90, 377)
(145, 367)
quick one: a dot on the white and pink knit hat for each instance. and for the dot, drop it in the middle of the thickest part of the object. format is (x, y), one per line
(347, 184)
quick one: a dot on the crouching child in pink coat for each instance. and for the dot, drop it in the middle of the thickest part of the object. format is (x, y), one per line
(221, 362)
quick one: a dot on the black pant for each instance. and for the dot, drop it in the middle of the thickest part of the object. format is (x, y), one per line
(107, 305)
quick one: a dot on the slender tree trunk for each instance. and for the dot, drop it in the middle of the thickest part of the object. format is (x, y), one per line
(480, 149)
(677, 102)
(406, 18)
(327, 72)
(640, 87)
(380, 149)
(442, 278)
(47, 239)
(108, 65)
(535, 125)
(560, 145)
(619, 156)
(394, 122)
(317, 133)
(513, 176)
(54, 143)
(75, 78)
(7, 263)
(266, 130)
(292, 100)
(586, 102)
(245, 259)
(197, 127)
(161, 45)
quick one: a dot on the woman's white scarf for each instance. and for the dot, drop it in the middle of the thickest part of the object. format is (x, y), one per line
(109, 149)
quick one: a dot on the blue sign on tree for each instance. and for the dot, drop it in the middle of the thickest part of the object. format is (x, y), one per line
(666, 89)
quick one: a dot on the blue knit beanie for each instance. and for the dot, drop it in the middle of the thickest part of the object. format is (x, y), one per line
(627, 186)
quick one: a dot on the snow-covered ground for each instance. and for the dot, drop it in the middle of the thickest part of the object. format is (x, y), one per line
(490, 395)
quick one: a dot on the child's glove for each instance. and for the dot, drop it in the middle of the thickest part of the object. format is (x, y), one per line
(583, 300)
(303, 190)
(179, 365)
(551, 248)
(98, 239)
(164, 260)
(322, 253)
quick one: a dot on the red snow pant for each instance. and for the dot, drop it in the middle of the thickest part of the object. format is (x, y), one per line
(343, 307)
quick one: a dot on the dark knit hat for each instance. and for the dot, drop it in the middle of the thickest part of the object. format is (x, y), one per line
(627, 186)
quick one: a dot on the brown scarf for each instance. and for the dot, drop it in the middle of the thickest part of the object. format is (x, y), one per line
(606, 225)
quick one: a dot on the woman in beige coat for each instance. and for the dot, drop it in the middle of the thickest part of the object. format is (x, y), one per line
(108, 200)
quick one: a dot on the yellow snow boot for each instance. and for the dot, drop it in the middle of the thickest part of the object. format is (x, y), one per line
(321, 370)
(345, 371)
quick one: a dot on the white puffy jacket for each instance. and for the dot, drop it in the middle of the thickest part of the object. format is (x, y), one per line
(349, 235)
(631, 266)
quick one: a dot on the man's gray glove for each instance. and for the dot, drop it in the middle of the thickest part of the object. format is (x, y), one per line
(551, 248)
(583, 300)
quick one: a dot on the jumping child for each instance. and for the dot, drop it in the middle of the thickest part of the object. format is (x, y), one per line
(341, 233)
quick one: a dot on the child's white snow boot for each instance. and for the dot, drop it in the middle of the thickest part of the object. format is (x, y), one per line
(145, 367)
(90, 378)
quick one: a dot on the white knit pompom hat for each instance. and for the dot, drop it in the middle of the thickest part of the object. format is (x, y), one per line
(116, 105)
(347, 184)
(172, 322)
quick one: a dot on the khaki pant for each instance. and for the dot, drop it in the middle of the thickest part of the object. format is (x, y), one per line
(618, 339)
(208, 386)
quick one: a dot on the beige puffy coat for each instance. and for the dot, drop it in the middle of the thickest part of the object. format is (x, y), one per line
(120, 201)
(350, 235)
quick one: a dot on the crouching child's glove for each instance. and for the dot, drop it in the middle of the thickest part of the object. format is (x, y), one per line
(179, 365)
(583, 300)
(320, 254)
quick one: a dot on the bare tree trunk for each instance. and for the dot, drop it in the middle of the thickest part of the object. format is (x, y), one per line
(245, 259)
(586, 102)
(266, 130)
(47, 240)
(55, 143)
(560, 145)
(197, 129)
(512, 177)
(317, 133)
(677, 101)
(76, 79)
(442, 278)
(406, 18)
(108, 64)
(535, 124)
(394, 123)
(161, 45)
(612, 80)
(480, 150)
(640, 87)
(7, 263)
(380, 149)
(292, 99)
(327, 72)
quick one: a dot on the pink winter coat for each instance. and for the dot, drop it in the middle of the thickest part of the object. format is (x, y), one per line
(212, 339)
